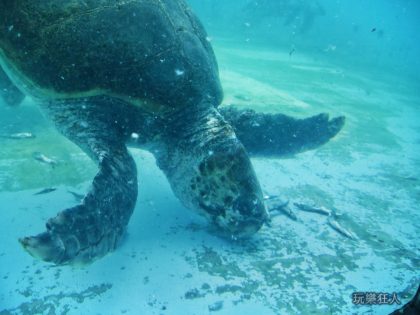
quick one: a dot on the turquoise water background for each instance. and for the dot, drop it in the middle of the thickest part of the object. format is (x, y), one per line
(352, 58)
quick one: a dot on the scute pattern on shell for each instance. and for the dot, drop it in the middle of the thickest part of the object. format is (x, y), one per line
(156, 56)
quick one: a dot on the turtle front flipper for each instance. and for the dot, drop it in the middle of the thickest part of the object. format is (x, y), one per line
(277, 135)
(9, 93)
(90, 230)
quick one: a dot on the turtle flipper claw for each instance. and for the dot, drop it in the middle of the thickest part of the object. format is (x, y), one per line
(335, 125)
(44, 246)
(320, 128)
(90, 230)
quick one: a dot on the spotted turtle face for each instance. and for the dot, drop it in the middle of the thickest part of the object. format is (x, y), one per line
(210, 171)
(226, 190)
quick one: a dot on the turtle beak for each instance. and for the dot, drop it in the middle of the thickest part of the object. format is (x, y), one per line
(44, 246)
(247, 213)
(237, 205)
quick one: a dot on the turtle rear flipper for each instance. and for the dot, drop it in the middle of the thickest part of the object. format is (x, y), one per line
(411, 308)
(9, 93)
(277, 135)
(92, 229)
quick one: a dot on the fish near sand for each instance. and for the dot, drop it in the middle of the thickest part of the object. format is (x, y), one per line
(77, 197)
(44, 159)
(332, 222)
(45, 191)
(281, 207)
(307, 208)
(19, 136)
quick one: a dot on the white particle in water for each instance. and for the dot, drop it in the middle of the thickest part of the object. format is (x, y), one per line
(179, 72)
(135, 135)
(10, 28)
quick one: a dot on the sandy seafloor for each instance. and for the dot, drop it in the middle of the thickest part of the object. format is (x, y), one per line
(171, 263)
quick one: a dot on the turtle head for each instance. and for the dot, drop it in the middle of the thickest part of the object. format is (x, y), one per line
(210, 171)
(227, 190)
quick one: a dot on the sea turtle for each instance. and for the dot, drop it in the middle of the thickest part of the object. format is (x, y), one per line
(143, 73)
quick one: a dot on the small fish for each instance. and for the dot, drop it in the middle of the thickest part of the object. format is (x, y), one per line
(78, 197)
(19, 135)
(410, 178)
(307, 208)
(285, 210)
(373, 30)
(291, 52)
(336, 226)
(44, 159)
(288, 211)
(276, 201)
(272, 197)
(280, 205)
(45, 191)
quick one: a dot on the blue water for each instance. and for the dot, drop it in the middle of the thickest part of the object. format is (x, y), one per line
(353, 58)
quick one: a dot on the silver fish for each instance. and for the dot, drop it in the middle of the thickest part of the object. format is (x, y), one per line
(45, 191)
(281, 202)
(44, 159)
(288, 211)
(270, 197)
(332, 222)
(19, 135)
(279, 205)
(77, 196)
(307, 208)
(285, 210)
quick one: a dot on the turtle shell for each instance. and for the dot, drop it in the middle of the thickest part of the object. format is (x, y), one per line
(152, 53)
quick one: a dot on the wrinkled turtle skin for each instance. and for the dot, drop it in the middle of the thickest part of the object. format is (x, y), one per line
(104, 70)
